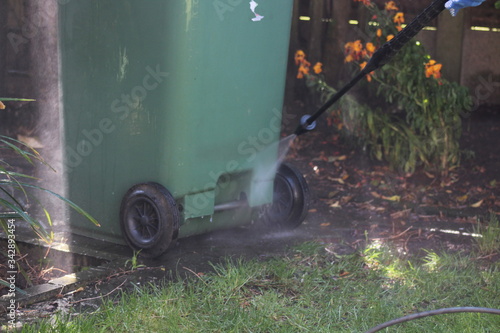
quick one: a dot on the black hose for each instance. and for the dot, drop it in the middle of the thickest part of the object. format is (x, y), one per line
(381, 57)
(432, 313)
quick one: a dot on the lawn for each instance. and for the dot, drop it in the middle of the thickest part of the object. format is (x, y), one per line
(310, 289)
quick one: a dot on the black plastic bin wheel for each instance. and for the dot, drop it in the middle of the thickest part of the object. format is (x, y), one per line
(149, 219)
(290, 200)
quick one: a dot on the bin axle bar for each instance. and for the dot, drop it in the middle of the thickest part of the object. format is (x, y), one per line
(230, 205)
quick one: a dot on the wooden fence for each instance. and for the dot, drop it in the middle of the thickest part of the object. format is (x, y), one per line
(468, 45)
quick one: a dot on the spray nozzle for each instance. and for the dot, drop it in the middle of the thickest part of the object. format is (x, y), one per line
(306, 125)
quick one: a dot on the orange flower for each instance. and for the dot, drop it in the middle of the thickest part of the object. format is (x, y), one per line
(390, 37)
(399, 18)
(299, 57)
(354, 51)
(357, 46)
(379, 32)
(365, 2)
(432, 68)
(370, 48)
(368, 76)
(300, 60)
(303, 69)
(391, 5)
(318, 68)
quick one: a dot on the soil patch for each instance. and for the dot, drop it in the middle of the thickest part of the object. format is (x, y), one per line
(421, 210)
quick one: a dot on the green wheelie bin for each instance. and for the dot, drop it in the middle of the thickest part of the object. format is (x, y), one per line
(172, 113)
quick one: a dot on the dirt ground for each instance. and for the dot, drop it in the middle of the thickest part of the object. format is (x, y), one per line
(354, 199)
(348, 185)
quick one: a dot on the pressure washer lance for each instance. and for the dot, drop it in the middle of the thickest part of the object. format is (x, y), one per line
(381, 57)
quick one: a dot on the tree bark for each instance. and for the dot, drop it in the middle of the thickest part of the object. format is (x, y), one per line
(3, 47)
(43, 25)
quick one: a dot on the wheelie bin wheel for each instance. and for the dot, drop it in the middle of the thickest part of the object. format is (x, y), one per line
(149, 219)
(290, 200)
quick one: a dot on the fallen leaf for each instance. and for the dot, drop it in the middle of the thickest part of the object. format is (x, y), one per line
(480, 169)
(401, 214)
(340, 180)
(346, 199)
(375, 194)
(2, 106)
(324, 224)
(313, 210)
(462, 198)
(336, 158)
(332, 194)
(430, 175)
(335, 205)
(477, 204)
(393, 198)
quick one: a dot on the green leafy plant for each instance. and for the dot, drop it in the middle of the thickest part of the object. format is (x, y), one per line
(133, 262)
(489, 241)
(17, 181)
(14, 184)
(412, 115)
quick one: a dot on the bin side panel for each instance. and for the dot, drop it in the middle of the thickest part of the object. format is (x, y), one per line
(228, 91)
(176, 92)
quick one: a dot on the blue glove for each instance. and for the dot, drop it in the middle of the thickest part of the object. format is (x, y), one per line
(455, 5)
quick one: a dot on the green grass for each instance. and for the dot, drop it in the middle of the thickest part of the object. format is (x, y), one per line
(308, 290)
(489, 242)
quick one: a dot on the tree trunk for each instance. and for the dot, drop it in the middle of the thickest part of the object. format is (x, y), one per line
(42, 18)
(3, 47)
